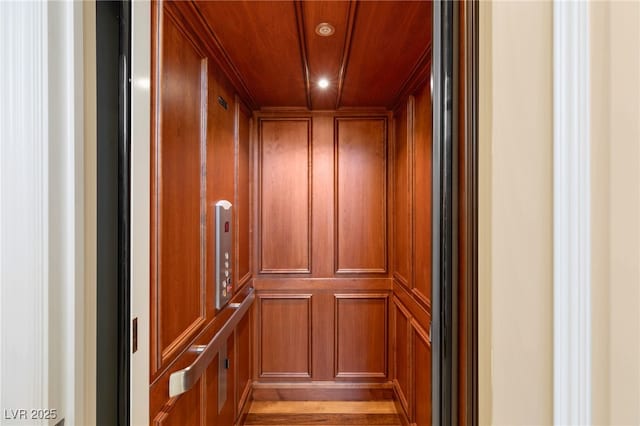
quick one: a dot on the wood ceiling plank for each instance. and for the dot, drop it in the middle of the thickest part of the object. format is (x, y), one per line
(302, 42)
(353, 5)
(325, 53)
(261, 39)
(388, 39)
(376, 56)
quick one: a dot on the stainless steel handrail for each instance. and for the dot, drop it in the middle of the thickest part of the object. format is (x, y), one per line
(182, 380)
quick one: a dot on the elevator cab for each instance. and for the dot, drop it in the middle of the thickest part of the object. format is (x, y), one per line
(290, 208)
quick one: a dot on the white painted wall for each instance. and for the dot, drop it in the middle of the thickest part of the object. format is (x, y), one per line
(516, 213)
(515, 204)
(140, 206)
(24, 208)
(572, 215)
(90, 212)
(42, 281)
(615, 130)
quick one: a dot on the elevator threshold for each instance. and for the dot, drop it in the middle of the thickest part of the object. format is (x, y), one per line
(335, 413)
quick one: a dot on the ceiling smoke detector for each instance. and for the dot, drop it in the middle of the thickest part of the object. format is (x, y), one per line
(325, 30)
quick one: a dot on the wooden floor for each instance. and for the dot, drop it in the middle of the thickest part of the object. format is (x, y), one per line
(335, 413)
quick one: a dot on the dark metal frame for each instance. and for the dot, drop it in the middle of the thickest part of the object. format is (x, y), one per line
(471, 111)
(124, 218)
(447, 212)
(113, 56)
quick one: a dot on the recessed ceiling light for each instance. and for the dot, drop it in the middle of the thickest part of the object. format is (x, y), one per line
(324, 29)
(323, 83)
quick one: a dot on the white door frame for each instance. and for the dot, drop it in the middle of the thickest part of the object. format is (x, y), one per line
(140, 205)
(43, 363)
(572, 218)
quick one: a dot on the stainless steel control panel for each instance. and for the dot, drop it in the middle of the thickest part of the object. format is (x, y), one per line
(224, 255)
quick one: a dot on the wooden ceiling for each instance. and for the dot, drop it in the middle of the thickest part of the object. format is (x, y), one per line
(379, 51)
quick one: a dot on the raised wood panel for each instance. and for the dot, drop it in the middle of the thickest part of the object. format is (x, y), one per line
(227, 414)
(361, 195)
(224, 415)
(323, 328)
(402, 190)
(422, 369)
(422, 195)
(361, 336)
(211, 392)
(243, 191)
(185, 410)
(285, 210)
(178, 170)
(402, 344)
(285, 336)
(244, 359)
(220, 163)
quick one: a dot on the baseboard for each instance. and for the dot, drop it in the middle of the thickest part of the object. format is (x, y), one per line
(399, 406)
(322, 391)
(244, 405)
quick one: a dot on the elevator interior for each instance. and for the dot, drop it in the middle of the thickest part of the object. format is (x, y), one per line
(312, 121)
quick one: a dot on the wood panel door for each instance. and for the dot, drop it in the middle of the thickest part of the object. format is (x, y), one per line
(179, 210)
(199, 155)
(179, 286)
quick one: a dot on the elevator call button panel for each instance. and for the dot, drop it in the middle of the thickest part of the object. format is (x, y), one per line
(224, 255)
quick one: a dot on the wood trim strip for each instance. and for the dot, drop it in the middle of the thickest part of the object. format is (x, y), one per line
(329, 407)
(400, 409)
(244, 405)
(180, 341)
(404, 399)
(302, 44)
(322, 391)
(325, 284)
(411, 168)
(424, 334)
(419, 75)
(154, 333)
(301, 112)
(243, 281)
(328, 419)
(417, 309)
(236, 196)
(346, 50)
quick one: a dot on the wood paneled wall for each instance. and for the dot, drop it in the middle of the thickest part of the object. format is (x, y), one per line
(321, 272)
(200, 154)
(411, 312)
